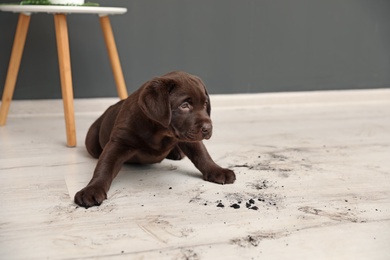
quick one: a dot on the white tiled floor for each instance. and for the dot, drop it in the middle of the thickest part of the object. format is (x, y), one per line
(316, 165)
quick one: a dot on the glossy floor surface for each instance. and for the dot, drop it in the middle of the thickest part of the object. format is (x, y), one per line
(313, 182)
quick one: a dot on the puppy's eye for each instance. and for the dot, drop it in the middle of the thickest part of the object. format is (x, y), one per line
(185, 105)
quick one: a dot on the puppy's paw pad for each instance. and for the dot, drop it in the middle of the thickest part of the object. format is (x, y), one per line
(90, 196)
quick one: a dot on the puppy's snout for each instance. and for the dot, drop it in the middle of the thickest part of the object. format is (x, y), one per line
(207, 129)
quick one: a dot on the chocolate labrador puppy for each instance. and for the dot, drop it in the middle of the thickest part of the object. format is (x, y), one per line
(167, 117)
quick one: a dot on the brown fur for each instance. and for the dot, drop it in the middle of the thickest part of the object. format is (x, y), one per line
(167, 117)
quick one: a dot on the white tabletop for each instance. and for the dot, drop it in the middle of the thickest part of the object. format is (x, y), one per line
(28, 9)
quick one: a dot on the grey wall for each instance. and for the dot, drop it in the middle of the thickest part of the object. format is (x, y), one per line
(236, 46)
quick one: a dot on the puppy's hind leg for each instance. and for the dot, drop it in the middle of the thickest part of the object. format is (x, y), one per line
(175, 154)
(92, 139)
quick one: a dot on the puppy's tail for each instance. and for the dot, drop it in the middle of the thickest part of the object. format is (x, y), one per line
(92, 139)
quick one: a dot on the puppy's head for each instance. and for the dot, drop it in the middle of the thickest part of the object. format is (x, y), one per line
(178, 101)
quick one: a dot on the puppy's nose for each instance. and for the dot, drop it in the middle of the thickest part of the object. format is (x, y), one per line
(207, 129)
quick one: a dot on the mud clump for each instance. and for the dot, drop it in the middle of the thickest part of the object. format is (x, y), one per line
(220, 205)
(235, 206)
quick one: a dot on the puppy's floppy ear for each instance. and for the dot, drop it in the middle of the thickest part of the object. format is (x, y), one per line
(154, 101)
(208, 109)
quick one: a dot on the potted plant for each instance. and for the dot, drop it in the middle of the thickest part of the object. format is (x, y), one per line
(53, 2)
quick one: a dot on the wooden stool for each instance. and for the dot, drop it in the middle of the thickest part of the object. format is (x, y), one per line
(61, 29)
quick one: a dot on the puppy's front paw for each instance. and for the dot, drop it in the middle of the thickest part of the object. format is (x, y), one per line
(220, 176)
(90, 196)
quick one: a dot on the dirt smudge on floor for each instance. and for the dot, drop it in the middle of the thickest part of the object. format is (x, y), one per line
(254, 239)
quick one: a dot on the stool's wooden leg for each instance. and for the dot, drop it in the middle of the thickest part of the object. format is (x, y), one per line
(13, 67)
(66, 76)
(114, 57)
